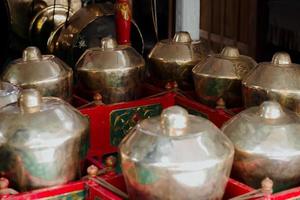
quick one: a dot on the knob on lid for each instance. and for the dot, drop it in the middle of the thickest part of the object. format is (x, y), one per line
(108, 43)
(232, 52)
(271, 110)
(182, 37)
(174, 121)
(31, 53)
(30, 100)
(281, 58)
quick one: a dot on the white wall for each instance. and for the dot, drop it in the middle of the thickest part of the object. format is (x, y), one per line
(188, 17)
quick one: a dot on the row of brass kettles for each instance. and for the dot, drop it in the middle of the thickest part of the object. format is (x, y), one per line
(177, 127)
(172, 156)
(235, 79)
(264, 135)
(39, 129)
(175, 156)
(44, 139)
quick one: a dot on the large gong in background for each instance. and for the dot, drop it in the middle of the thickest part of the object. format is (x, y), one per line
(22, 11)
(84, 30)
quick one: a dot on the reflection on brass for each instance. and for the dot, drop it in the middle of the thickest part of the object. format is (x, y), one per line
(176, 156)
(21, 12)
(47, 73)
(9, 93)
(63, 41)
(114, 71)
(173, 60)
(220, 77)
(278, 80)
(42, 141)
(266, 141)
(45, 22)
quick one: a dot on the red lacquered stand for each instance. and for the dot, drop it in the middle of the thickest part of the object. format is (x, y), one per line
(80, 190)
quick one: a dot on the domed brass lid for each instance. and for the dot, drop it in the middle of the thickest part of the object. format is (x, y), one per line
(175, 121)
(228, 64)
(35, 68)
(109, 56)
(268, 128)
(278, 75)
(180, 49)
(31, 102)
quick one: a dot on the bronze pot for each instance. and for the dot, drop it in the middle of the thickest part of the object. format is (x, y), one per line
(220, 77)
(42, 141)
(176, 156)
(277, 80)
(114, 71)
(173, 60)
(47, 73)
(266, 141)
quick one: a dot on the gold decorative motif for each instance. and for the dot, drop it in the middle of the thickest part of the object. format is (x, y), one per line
(124, 9)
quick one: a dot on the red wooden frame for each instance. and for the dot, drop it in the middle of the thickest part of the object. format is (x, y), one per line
(100, 145)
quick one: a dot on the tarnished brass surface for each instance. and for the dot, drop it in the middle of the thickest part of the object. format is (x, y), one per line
(220, 77)
(8, 93)
(114, 71)
(21, 12)
(278, 80)
(173, 60)
(176, 156)
(266, 141)
(45, 22)
(42, 141)
(47, 73)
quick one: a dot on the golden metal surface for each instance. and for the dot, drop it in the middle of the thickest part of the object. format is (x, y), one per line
(42, 141)
(116, 72)
(266, 140)
(176, 156)
(52, 43)
(45, 22)
(21, 12)
(77, 23)
(277, 80)
(173, 60)
(47, 73)
(220, 77)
